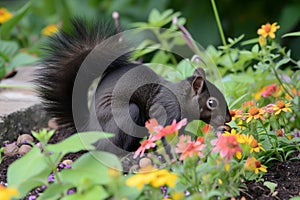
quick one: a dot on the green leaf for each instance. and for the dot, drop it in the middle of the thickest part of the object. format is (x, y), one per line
(282, 62)
(10, 24)
(21, 59)
(54, 191)
(291, 34)
(91, 166)
(154, 17)
(97, 192)
(185, 68)
(28, 172)
(295, 198)
(8, 49)
(78, 142)
(270, 185)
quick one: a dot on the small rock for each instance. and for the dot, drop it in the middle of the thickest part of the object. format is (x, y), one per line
(67, 162)
(24, 139)
(24, 149)
(145, 162)
(11, 149)
(40, 146)
(52, 123)
(134, 169)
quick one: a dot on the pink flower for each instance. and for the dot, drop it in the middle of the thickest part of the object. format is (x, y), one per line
(270, 89)
(153, 126)
(188, 148)
(227, 146)
(146, 144)
(173, 128)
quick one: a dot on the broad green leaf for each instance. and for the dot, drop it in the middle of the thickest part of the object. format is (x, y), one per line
(54, 191)
(78, 142)
(154, 17)
(10, 24)
(8, 49)
(270, 185)
(160, 57)
(185, 68)
(97, 192)
(295, 198)
(28, 172)
(21, 59)
(291, 34)
(282, 62)
(90, 166)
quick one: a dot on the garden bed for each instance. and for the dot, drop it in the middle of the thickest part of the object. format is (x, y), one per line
(285, 175)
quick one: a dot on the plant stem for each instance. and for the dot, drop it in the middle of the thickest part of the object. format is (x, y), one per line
(281, 83)
(218, 22)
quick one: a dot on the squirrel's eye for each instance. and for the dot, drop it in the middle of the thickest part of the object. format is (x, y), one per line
(212, 103)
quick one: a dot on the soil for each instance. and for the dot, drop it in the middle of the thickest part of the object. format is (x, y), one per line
(285, 174)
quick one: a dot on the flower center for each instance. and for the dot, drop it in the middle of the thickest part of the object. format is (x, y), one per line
(268, 28)
(2, 12)
(257, 164)
(254, 144)
(232, 113)
(253, 111)
(280, 104)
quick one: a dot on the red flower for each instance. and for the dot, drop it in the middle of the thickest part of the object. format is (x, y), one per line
(173, 128)
(227, 146)
(146, 144)
(270, 89)
(188, 148)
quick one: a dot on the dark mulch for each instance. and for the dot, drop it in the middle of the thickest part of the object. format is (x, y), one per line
(285, 174)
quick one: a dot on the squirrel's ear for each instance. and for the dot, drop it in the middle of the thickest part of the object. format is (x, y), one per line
(199, 79)
(199, 72)
(198, 84)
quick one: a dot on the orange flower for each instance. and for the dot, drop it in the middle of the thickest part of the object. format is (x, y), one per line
(235, 113)
(254, 165)
(255, 113)
(188, 148)
(5, 15)
(206, 128)
(268, 30)
(280, 106)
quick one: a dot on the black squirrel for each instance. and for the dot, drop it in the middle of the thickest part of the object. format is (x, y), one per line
(128, 94)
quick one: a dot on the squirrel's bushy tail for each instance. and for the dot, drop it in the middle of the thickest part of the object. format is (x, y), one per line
(63, 55)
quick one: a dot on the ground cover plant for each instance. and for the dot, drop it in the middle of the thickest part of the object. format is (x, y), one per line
(261, 80)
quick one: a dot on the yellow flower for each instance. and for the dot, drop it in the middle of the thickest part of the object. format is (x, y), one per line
(254, 165)
(5, 15)
(262, 41)
(251, 142)
(280, 106)
(152, 176)
(177, 195)
(255, 113)
(7, 193)
(220, 181)
(231, 133)
(50, 29)
(268, 30)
